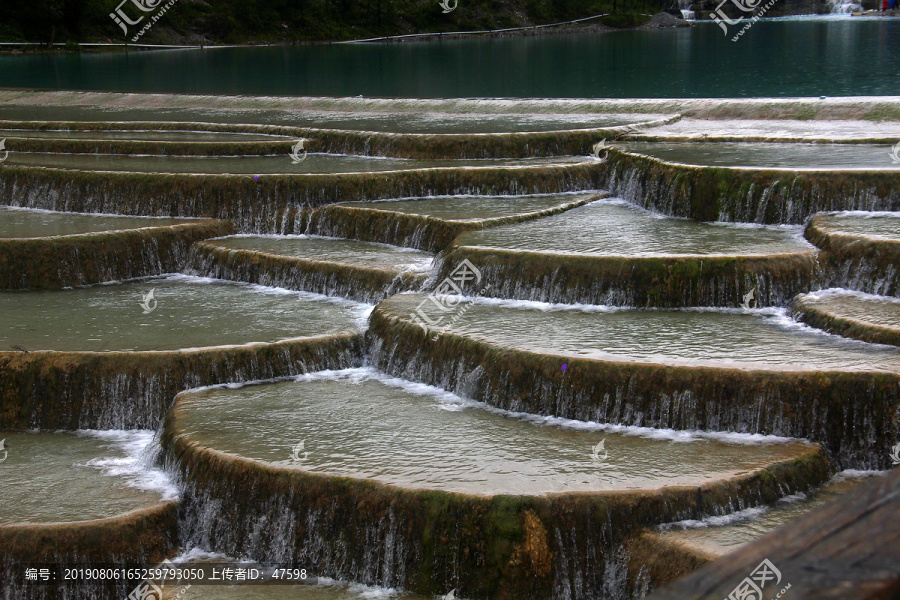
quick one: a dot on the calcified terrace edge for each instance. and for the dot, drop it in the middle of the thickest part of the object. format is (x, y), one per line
(140, 537)
(132, 390)
(851, 413)
(55, 262)
(355, 282)
(651, 281)
(815, 315)
(514, 543)
(338, 141)
(865, 263)
(379, 223)
(745, 194)
(273, 203)
(853, 107)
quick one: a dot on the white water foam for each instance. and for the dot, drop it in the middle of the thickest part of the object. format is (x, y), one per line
(137, 468)
(838, 292)
(753, 514)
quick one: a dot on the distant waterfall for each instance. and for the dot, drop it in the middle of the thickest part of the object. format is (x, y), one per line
(841, 7)
(686, 13)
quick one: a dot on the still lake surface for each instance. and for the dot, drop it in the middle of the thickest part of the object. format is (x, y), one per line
(807, 56)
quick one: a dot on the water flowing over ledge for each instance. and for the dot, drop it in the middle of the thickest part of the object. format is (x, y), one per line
(378, 223)
(122, 390)
(362, 283)
(144, 537)
(874, 319)
(73, 260)
(273, 203)
(428, 541)
(848, 412)
(744, 194)
(564, 142)
(860, 107)
(675, 281)
(856, 260)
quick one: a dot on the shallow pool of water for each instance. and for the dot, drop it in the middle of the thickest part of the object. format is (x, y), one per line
(473, 208)
(360, 423)
(252, 165)
(697, 129)
(721, 535)
(28, 223)
(722, 337)
(875, 310)
(616, 228)
(764, 155)
(876, 224)
(56, 477)
(350, 252)
(140, 135)
(183, 312)
(413, 120)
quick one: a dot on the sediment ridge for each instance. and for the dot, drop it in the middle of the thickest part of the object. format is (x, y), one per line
(748, 195)
(656, 281)
(380, 224)
(72, 260)
(141, 537)
(133, 390)
(356, 282)
(271, 203)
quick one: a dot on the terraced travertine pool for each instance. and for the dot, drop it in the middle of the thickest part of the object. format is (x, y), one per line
(363, 424)
(259, 165)
(343, 251)
(885, 225)
(618, 228)
(78, 476)
(183, 312)
(411, 121)
(473, 208)
(724, 337)
(29, 223)
(141, 135)
(769, 156)
(720, 535)
(305, 451)
(879, 311)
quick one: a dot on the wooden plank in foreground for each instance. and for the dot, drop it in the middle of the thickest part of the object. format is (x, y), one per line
(848, 549)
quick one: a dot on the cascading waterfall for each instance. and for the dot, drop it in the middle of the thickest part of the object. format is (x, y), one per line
(686, 13)
(839, 7)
